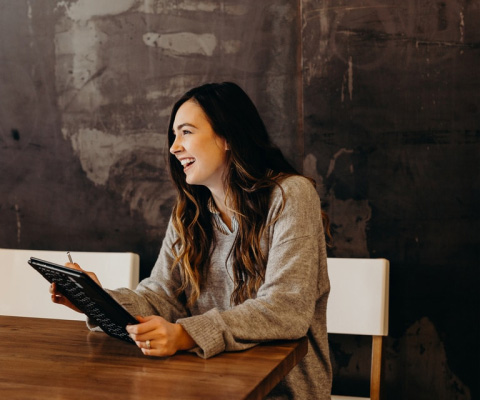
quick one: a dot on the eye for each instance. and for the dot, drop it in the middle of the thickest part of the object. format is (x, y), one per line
(186, 132)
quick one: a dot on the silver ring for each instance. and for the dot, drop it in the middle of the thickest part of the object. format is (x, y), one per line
(148, 344)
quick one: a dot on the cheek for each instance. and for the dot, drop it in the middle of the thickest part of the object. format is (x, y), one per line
(211, 152)
(221, 157)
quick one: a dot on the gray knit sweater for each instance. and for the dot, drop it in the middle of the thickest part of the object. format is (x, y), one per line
(290, 304)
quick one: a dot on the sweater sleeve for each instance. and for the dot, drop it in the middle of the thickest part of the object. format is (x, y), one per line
(295, 280)
(156, 295)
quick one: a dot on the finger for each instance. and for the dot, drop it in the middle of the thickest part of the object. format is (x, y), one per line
(89, 273)
(151, 321)
(53, 292)
(147, 318)
(149, 348)
(73, 266)
(142, 344)
(143, 337)
(146, 325)
(148, 351)
(53, 288)
(59, 299)
(153, 329)
(151, 352)
(139, 318)
(157, 352)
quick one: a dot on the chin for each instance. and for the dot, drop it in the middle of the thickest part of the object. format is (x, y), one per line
(190, 181)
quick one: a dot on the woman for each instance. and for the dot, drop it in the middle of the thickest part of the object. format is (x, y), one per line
(243, 260)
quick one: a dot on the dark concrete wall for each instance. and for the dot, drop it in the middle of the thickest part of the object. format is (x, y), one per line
(377, 100)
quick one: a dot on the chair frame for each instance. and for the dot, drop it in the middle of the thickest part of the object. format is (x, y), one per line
(376, 367)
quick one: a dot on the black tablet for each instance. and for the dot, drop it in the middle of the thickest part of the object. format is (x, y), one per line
(88, 296)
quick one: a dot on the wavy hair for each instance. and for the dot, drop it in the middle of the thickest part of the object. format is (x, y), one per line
(254, 167)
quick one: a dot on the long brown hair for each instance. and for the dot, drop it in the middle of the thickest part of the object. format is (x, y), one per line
(254, 167)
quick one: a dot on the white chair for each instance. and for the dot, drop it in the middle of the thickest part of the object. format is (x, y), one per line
(358, 305)
(24, 292)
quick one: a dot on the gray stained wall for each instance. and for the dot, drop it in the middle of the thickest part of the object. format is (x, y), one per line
(378, 100)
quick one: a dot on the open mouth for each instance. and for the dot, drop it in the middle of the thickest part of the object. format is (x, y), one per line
(187, 162)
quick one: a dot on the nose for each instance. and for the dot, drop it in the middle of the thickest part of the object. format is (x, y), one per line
(176, 146)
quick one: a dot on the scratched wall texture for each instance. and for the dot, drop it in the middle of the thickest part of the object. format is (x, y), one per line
(87, 88)
(378, 100)
(391, 111)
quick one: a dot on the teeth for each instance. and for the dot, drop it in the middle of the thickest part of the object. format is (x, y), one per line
(186, 161)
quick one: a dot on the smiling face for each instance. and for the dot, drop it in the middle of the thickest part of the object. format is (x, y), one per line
(198, 148)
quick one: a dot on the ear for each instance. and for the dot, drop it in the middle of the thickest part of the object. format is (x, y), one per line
(227, 146)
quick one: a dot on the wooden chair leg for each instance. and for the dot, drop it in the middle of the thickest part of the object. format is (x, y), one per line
(376, 368)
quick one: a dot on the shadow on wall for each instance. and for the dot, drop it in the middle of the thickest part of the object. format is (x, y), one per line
(410, 366)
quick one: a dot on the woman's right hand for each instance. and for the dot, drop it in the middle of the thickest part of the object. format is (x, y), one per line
(58, 298)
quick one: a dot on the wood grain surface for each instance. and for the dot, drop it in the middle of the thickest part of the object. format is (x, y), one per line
(59, 359)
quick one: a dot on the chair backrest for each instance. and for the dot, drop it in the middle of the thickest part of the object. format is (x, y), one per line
(358, 301)
(358, 305)
(24, 292)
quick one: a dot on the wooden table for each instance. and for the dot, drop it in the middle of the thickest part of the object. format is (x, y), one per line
(59, 359)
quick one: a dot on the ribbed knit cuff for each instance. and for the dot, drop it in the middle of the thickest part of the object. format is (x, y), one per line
(205, 332)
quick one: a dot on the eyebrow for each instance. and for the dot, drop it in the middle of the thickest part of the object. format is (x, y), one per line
(183, 125)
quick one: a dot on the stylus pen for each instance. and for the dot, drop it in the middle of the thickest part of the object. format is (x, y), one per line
(69, 257)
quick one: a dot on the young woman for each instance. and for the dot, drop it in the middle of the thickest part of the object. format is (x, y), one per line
(243, 260)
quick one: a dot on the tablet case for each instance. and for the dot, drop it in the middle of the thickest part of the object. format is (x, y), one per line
(88, 296)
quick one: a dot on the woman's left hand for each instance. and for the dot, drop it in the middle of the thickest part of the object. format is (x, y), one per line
(158, 337)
